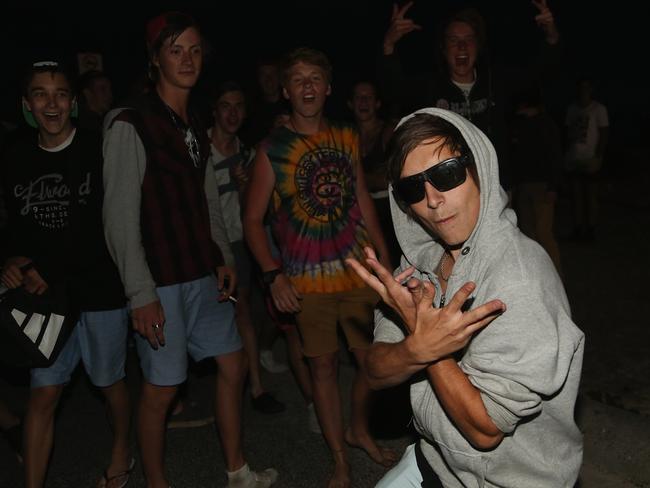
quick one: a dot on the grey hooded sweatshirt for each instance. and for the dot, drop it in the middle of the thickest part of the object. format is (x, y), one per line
(526, 363)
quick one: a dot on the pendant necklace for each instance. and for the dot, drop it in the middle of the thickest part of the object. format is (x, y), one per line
(441, 268)
(441, 272)
(190, 139)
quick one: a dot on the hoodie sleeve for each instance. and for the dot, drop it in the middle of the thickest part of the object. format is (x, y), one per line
(524, 355)
(385, 329)
(125, 162)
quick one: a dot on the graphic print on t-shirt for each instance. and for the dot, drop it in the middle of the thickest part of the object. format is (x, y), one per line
(46, 199)
(467, 109)
(317, 219)
(324, 182)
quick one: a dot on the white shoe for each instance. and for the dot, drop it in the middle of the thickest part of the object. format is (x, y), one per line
(270, 364)
(245, 478)
(312, 419)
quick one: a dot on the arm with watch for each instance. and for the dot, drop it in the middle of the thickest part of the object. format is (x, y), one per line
(285, 296)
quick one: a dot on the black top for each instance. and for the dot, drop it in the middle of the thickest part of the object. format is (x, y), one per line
(63, 236)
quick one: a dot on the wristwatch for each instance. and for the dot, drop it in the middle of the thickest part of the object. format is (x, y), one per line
(268, 277)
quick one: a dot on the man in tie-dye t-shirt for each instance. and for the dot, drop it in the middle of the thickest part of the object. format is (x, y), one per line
(308, 170)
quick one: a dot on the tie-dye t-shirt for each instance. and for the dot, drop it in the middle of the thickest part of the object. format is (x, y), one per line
(316, 216)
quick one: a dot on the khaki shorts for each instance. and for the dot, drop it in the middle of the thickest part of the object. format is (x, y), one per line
(353, 310)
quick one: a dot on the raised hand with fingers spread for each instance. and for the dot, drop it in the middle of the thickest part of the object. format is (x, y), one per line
(439, 332)
(399, 27)
(390, 288)
(434, 332)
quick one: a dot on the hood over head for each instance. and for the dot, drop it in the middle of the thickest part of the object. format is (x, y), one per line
(418, 245)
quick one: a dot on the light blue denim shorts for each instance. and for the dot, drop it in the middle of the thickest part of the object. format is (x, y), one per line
(99, 340)
(195, 323)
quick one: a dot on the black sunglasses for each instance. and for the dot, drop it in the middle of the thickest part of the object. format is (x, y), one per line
(444, 176)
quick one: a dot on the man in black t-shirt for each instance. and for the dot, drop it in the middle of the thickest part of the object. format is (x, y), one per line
(52, 181)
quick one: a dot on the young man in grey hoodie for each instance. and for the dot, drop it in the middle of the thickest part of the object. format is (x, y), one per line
(494, 407)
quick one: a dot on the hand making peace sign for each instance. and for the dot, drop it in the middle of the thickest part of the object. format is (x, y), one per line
(399, 27)
(546, 21)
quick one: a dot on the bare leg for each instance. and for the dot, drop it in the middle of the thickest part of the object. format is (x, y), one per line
(39, 432)
(230, 385)
(154, 404)
(327, 399)
(358, 433)
(268, 332)
(298, 365)
(249, 339)
(119, 408)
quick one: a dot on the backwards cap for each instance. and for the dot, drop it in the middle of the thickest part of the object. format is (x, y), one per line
(157, 25)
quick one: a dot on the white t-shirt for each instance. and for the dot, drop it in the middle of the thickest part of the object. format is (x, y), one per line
(583, 124)
(228, 194)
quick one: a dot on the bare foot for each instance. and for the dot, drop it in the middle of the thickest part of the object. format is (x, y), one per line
(341, 476)
(379, 454)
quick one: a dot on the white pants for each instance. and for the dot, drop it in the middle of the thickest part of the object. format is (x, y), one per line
(405, 474)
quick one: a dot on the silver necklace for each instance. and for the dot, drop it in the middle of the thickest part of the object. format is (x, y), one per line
(190, 139)
(441, 271)
(441, 268)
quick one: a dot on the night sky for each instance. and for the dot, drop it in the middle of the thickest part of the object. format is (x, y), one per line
(599, 39)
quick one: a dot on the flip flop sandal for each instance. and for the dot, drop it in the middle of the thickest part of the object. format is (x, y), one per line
(105, 481)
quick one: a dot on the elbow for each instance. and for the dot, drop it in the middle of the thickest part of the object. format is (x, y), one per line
(375, 374)
(370, 367)
(486, 441)
(374, 380)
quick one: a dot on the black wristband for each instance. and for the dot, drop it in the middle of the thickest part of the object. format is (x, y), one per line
(268, 277)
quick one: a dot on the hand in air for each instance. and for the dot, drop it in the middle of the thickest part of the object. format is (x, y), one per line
(546, 21)
(399, 27)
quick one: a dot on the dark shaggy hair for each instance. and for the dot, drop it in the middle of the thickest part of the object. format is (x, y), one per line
(172, 24)
(412, 133)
